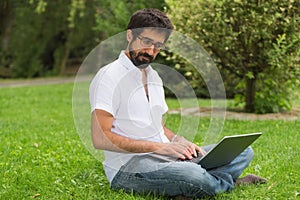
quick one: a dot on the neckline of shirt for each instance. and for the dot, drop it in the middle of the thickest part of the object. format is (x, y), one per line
(127, 63)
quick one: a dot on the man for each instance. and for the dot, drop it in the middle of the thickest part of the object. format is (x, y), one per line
(127, 102)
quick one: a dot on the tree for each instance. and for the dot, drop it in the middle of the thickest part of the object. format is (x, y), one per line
(257, 42)
(112, 16)
(6, 19)
(47, 33)
(38, 36)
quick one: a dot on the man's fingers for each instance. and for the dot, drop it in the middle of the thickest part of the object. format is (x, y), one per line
(202, 152)
(192, 150)
(195, 153)
(185, 151)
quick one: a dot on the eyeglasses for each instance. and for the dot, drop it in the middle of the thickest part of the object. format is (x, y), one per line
(147, 42)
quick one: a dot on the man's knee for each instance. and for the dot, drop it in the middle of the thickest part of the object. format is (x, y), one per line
(198, 181)
(249, 153)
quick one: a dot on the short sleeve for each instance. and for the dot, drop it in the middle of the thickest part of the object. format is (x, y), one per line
(104, 93)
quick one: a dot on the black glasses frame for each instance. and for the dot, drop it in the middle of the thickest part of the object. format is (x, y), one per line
(147, 42)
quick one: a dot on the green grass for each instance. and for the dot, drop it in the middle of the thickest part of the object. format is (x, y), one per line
(41, 153)
(189, 103)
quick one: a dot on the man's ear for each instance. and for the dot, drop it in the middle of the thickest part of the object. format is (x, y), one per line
(129, 35)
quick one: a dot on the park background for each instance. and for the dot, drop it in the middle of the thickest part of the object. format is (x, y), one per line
(255, 45)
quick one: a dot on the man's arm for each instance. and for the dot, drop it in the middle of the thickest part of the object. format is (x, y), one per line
(104, 139)
(170, 134)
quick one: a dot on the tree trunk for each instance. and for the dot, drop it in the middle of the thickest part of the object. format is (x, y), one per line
(6, 20)
(64, 58)
(6, 11)
(250, 95)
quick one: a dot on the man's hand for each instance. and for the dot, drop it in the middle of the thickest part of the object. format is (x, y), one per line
(192, 148)
(180, 148)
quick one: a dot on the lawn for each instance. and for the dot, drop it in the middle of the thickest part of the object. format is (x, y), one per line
(43, 157)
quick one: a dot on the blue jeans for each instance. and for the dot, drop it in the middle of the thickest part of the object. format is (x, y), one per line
(146, 174)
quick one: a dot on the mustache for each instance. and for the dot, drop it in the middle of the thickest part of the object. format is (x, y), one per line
(146, 55)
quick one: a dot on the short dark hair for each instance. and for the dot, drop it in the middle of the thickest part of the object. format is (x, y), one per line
(152, 18)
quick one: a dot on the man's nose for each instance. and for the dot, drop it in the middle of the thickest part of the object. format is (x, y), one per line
(151, 50)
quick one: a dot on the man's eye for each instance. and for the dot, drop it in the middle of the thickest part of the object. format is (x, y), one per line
(159, 45)
(147, 41)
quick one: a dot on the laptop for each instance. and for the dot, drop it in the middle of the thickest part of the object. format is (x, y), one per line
(226, 150)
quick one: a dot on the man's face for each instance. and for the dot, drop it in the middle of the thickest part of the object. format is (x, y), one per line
(144, 48)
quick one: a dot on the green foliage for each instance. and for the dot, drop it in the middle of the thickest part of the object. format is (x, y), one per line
(112, 17)
(40, 36)
(45, 33)
(250, 41)
(279, 81)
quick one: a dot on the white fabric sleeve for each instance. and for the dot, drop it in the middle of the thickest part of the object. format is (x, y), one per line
(104, 94)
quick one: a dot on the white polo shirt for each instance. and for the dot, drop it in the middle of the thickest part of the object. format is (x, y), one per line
(117, 88)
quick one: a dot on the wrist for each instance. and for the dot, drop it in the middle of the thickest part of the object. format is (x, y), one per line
(178, 138)
(173, 138)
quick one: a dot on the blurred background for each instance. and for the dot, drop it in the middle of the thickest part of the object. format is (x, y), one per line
(254, 43)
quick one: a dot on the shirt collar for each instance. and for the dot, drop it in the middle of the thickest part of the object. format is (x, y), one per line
(125, 61)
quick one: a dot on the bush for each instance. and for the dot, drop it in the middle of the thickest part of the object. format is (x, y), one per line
(255, 44)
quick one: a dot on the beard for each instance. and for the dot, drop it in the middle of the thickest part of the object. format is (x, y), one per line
(138, 59)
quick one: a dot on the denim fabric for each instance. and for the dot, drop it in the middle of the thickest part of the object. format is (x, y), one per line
(146, 174)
